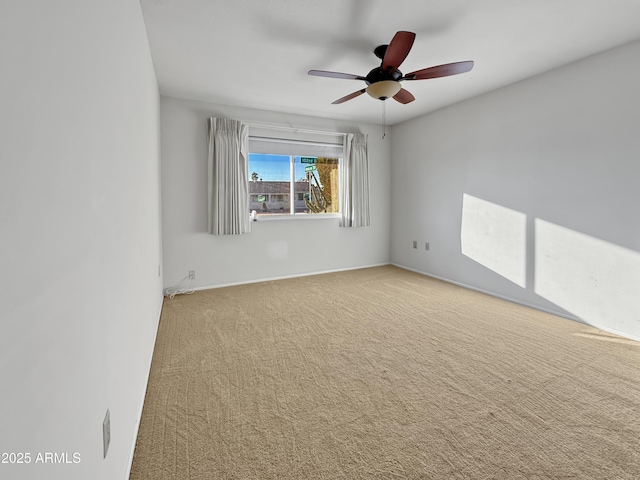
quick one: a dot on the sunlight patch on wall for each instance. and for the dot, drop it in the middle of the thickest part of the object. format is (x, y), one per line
(597, 281)
(496, 237)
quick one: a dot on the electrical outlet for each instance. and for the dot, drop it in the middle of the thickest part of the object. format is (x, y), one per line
(415, 244)
(192, 274)
(426, 245)
(106, 434)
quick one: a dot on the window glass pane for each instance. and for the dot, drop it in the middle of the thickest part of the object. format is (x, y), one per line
(317, 181)
(269, 183)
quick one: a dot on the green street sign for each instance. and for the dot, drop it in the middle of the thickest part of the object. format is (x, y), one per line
(309, 168)
(308, 159)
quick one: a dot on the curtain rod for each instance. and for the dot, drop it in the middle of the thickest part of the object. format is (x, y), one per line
(294, 129)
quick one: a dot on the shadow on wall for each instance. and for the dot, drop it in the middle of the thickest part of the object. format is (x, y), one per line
(595, 280)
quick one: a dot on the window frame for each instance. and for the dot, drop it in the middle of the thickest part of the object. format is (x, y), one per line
(298, 146)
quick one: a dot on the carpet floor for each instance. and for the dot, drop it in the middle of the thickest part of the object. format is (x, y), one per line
(382, 373)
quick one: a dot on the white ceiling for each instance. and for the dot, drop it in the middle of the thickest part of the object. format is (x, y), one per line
(256, 53)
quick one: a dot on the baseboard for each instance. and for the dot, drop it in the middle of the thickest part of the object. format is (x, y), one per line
(520, 302)
(284, 277)
(444, 279)
(144, 391)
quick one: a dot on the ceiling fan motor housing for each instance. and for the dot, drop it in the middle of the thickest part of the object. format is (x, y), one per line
(379, 74)
(383, 83)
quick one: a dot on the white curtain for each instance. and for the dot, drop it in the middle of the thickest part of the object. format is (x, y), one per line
(355, 182)
(227, 182)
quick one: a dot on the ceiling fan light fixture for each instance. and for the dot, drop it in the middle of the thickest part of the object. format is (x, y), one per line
(384, 89)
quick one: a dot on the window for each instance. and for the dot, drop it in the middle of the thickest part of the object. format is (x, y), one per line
(293, 177)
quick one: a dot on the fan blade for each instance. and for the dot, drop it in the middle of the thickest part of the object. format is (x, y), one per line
(440, 71)
(404, 96)
(398, 50)
(324, 73)
(349, 97)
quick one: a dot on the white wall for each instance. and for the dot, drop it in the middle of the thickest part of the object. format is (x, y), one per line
(274, 248)
(80, 232)
(531, 192)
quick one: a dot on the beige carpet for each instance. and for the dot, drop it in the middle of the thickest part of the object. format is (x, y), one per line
(381, 373)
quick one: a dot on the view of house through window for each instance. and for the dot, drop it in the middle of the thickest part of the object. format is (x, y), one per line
(290, 184)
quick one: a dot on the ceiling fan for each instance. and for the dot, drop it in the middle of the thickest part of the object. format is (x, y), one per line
(383, 82)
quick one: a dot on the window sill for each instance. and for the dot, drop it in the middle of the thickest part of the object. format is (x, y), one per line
(316, 216)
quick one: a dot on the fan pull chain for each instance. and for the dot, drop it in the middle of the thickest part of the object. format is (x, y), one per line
(384, 119)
